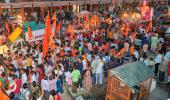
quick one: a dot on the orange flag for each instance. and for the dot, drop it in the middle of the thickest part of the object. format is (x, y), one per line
(45, 45)
(51, 42)
(54, 16)
(29, 33)
(7, 27)
(58, 27)
(149, 28)
(46, 36)
(48, 24)
(54, 23)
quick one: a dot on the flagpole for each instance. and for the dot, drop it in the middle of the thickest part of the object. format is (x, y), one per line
(60, 21)
(32, 9)
(104, 5)
(11, 10)
(51, 8)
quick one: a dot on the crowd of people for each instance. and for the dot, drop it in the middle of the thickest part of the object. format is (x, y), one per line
(82, 59)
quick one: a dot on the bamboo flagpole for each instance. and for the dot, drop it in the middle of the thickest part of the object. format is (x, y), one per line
(51, 8)
(42, 10)
(11, 10)
(104, 5)
(32, 9)
(60, 22)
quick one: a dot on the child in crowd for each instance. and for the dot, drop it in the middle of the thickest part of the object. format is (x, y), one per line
(68, 78)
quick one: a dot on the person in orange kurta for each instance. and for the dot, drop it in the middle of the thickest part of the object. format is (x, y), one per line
(3, 96)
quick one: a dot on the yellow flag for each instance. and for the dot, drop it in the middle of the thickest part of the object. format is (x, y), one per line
(17, 32)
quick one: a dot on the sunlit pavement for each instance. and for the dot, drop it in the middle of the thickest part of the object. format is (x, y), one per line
(66, 95)
(159, 93)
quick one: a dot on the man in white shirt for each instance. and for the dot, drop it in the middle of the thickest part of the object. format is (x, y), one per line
(48, 69)
(94, 65)
(46, 88)
(24, 76)
(99, 71)
(40, 58)
(84, 64)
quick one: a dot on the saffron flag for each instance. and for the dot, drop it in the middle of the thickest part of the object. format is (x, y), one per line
(54, 16)
(7, 27)
(47, 33)
(29, 33)
(149, 28)
(54, 23)
(45, 45)
(51, 42)
(58, 27)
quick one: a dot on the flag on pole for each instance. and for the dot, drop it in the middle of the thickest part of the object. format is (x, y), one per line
(51, 42)
(54, 16)
(29, 33)
(47, 33)
(54, 23)
(48, 24)
(149, 28)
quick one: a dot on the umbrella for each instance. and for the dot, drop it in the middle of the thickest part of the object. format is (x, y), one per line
(84, 12)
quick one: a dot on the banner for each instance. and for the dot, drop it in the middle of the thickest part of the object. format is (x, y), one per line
(37, 35)
(17, 32)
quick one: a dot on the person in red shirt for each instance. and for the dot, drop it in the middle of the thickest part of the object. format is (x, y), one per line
(41, 74)
(18, 85)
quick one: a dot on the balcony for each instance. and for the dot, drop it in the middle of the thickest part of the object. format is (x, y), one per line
(38, 3)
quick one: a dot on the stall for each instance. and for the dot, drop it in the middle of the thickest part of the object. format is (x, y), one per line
(130, 81)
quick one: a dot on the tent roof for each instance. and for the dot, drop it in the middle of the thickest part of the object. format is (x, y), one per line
(132, 74)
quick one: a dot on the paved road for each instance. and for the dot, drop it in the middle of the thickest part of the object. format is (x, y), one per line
(159, 93)
(66, 95)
